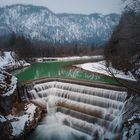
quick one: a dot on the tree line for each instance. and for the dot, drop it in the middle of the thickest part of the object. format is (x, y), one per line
(25, 48)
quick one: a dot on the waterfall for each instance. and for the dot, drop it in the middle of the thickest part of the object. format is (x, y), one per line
(111, 94)
(87, 109)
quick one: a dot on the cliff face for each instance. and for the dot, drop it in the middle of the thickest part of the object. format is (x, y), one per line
(7, 91)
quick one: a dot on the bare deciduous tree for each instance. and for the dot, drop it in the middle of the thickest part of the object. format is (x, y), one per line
(123, 49)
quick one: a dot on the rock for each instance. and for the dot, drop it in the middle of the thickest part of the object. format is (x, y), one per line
(32, 125)
(7, 91)
(7, 102)
(5, 130)
(23, 118)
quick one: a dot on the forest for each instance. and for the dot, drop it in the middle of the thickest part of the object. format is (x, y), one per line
(27, 48)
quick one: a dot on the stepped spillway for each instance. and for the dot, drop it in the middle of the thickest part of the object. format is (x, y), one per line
(91, 110)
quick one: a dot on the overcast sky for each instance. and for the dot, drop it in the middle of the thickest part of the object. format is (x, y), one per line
(73, 6)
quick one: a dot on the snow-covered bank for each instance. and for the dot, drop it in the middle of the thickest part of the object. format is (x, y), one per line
(9, 60)
(7, 83)
(22, 121)
(100, 67)
(72, 58)
(14, 121)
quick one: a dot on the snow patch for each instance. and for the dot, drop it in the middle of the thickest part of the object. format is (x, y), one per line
(18, 122)
(73, 58)
(9, 60)
(100, 67)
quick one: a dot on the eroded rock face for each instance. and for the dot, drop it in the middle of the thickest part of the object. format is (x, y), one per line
(23, 118)
(7, 91)
(32, 124)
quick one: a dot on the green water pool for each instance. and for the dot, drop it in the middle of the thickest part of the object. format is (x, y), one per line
(58, 69)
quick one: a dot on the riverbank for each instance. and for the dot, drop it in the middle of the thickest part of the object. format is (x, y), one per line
(16, 118)
(60, 84)
(100, 67)
(23, 118)
(68, 58)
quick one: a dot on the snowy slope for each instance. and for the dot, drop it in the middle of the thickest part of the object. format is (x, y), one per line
(9, 60)
(6, 58)
(40, 23)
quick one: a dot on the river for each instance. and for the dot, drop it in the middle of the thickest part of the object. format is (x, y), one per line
(58, 69)
(51, 126)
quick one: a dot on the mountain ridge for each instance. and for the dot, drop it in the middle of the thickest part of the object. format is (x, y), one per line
(40, 23)
(44, 7)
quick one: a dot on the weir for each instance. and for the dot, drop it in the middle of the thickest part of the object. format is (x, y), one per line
(92, 110)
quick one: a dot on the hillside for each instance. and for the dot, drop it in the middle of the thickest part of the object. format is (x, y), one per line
(39, 23)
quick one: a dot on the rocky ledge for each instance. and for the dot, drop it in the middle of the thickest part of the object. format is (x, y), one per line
(23, 118)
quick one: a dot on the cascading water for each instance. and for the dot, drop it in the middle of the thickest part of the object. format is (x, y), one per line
(87, 111)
